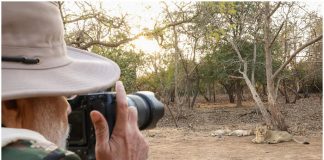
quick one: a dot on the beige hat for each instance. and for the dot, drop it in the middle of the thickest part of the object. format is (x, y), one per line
(36, 61)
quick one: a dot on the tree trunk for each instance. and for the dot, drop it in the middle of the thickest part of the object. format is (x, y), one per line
(204, 95)
(283, 91)
(214, 93)
(172, 95)
(176, 59)
(254, 93)
(258, 100)
(253, 64)
(194, 99)
(231, 97)
(264, 90)
(305, 91)
(196, 91)
(238, 94)
(210, 91)
(297, 96)
(189, 91)
(278, 121)
(229, 91)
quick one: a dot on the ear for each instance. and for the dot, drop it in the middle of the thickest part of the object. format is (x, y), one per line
(269, 127)
(10, 114)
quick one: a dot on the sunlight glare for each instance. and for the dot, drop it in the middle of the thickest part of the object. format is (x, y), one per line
(146, 45)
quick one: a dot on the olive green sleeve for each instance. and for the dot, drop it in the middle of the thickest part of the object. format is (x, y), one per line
(27, 150)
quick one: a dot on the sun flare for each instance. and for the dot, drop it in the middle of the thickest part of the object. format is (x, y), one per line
(146, 45)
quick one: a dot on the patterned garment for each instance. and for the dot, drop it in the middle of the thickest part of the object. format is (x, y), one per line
(29, 150)
(23, 144)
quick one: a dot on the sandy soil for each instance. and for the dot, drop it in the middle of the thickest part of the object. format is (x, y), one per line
(192, 140)
(171, 143)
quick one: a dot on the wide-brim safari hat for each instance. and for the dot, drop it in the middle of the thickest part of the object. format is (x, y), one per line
(36, 61)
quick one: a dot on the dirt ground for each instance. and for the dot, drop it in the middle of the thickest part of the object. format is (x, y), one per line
(192, 140)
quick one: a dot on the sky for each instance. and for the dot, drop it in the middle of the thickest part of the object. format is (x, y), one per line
(142, 13)
(138, 20)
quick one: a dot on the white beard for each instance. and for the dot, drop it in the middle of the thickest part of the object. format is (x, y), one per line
(52, 128)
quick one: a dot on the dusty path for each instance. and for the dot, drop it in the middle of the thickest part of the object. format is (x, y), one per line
(193, 140)
(187, 145)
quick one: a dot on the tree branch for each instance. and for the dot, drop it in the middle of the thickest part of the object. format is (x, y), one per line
(108, 44)
(82, 17)
(275, 9)
(126, 40)
(235, 77)
(280, 28)
(254, 61)
(275, 37)
(236, 50)
(294, 55)
(277, 87)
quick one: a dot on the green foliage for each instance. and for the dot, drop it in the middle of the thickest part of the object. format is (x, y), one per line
(157, 81)
(223, 62)
(128, 60)
(308, 74)
(220, 7)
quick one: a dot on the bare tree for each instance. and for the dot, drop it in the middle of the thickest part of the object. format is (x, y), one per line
(277, 117)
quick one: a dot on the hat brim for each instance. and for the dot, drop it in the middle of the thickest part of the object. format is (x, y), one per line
(86, 73)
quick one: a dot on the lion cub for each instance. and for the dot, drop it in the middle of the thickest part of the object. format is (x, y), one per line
(264, 135)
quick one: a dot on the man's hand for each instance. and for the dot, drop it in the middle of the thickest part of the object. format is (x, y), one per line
(126, 141)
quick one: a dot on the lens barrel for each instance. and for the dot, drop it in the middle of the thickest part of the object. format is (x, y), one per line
(150, 110)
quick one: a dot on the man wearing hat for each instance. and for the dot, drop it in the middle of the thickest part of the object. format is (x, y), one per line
(38, 72)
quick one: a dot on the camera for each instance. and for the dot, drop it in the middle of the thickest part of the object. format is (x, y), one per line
(82, 134)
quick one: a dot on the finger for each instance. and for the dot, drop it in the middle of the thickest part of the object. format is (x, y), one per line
(101, 128)
(133, 116)
(122, 108)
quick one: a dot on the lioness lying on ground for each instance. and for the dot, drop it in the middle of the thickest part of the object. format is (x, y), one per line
(221, 132)
(241, 132)
(265, 135)
(228, 132)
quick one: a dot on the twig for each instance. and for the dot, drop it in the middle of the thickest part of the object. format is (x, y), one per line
(235, 77)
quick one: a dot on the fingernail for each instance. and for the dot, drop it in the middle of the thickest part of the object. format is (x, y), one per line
(119, 84)
(95, 117)
(133, 108)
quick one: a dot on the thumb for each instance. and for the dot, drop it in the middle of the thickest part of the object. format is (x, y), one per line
(101, 128)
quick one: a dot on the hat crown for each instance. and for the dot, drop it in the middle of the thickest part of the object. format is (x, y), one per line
(33, 29)
(36, 61)
(31, 24)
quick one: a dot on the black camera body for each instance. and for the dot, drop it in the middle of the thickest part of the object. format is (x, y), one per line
(82, 137)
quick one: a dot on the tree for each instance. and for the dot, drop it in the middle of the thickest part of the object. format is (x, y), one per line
(238, 25)
(277, 117)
